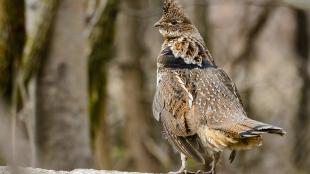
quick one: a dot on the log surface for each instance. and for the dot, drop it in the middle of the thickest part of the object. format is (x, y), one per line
(21, 170)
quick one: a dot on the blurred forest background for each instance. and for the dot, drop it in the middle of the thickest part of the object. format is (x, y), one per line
(77, 79)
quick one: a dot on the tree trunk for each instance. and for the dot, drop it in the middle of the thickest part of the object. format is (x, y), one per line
(38, 39)
(200, 17)
(62, 114)
(4, 133)
(302, 128)
(12, 38)
(101, 42)
(137, 110)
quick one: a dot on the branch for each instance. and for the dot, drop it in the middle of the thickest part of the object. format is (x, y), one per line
(9, 170)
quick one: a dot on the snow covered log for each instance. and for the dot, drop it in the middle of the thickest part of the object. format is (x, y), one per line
(21, 170)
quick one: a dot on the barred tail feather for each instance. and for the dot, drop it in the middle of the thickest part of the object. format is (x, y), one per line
(260, 128)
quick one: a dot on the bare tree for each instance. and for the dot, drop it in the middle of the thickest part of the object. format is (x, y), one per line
(12, 38)
(101, 44)
(301, 127)
(62, 115)
(137, 111)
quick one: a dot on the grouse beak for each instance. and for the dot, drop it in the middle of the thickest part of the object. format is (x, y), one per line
(157, 24)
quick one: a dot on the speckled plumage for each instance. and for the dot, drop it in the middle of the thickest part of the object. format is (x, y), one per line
(197, 103)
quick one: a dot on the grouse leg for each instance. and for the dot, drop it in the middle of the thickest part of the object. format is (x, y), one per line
(215, 157)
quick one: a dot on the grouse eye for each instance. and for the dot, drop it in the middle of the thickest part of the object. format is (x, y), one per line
(174, 22)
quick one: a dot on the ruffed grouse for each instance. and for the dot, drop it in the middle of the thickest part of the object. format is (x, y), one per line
(197, 103)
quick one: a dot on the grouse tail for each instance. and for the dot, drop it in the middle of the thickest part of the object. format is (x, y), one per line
(257, 128)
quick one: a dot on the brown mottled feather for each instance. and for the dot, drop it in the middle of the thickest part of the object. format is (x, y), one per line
(216, 114)
(197, 102)
(190, 145)
(174, 108)
(224, 78)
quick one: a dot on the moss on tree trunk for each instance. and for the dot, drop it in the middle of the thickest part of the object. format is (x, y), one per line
(101, 42)
(12, 38)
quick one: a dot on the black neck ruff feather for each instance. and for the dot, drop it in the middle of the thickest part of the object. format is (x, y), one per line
(167, 60)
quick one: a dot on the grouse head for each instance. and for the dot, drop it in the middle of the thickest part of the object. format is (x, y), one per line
(174, 23)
